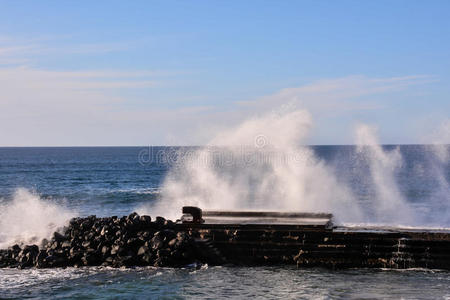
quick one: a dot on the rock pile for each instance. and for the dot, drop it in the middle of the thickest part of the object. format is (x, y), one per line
(128, 241)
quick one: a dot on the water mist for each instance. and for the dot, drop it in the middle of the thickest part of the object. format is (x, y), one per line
(28, 219)
(439, 164)
(259, 165)
(389, 205)
(262, 164)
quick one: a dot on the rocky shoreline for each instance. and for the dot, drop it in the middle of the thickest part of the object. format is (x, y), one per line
(116, 242)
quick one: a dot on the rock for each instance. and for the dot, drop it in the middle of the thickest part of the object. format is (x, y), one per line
(15, 248)
(145, 220)
(31, 248)
(163, 252)
(142, 250)
(134, 243)
(156, 242)
(147, 258)
(105, 230)
(54, 245)
(86, 244)
(168, 234)
(133, 215)
(91, 258)
(128, 260)
(58, 237)
(39, 261)
(146, 235)
(106, 250)
(73, 251)
(172, 243)
(116, 249)
(126, 241)
(169, 224)
(160, 221)
(66, 244)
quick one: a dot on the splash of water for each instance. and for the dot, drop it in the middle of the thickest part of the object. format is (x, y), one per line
(28, 219)
(260, 164)
(389, 206)
(439, 163)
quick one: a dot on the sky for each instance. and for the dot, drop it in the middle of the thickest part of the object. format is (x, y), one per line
(118, 73)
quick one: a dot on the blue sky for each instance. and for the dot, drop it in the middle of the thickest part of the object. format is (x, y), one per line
(176, 72)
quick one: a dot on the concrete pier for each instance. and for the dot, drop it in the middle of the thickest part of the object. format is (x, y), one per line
(291, 240)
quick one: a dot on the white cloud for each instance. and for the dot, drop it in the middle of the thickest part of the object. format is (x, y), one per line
(340, 94)
(42, 107)
(17, 51)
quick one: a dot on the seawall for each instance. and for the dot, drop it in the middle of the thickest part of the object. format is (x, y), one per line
(140, 241)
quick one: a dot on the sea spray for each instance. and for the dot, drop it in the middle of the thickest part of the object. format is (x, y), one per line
(262, 164)
(439, 164)
(259, 165)
(389, 205)
(27, 219)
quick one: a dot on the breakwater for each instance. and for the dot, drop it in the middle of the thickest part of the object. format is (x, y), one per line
(128, 241)
(140, 241)
(315, 246)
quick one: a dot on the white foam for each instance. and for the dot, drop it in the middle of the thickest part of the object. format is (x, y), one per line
(27, 219)
(261, 164)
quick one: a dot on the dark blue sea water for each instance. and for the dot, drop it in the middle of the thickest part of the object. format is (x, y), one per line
(117, 180)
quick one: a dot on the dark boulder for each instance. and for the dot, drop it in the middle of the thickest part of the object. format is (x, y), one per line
(91, 241)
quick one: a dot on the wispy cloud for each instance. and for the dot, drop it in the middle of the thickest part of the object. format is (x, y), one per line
(15, 51)
(340, 93)
(334, 103)
(22, 80)
(39, 106)
(356, 86)
(42, 107)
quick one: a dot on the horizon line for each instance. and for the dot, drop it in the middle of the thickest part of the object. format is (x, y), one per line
(197, 146)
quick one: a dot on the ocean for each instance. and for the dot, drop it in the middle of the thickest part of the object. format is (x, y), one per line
(42, 185)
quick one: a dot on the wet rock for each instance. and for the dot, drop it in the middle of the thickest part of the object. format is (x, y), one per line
(54, 245)
(106, 250)
(147, 259)
(160, 222)
(126, 241)
(15, 248)
(169, 224)
(157, 241)
(86, 244)
(145, 220)
(66, 244)
(58, 237)
(116, 249)
(31, 248)
(172, 243)
(142, 250)
(91, 258)
(133, 216)
(168, 234)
